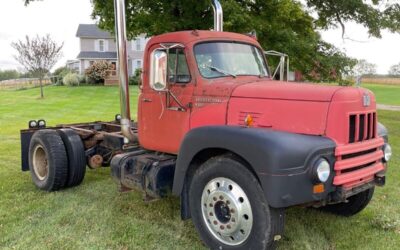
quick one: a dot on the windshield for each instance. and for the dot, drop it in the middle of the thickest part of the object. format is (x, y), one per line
(220, 59)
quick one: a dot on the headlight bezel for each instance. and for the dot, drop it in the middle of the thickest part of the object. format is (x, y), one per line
(321, 170)
(387, 152)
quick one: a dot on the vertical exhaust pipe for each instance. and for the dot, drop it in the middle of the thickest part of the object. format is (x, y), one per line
(218, 16)
(120, 32)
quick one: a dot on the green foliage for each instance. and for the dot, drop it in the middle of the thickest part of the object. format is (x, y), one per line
(71, 79)
(98, 71)
(8, 74)
(136, 78)
(82, 79)
(60, 73)
(375, 15)
(281, 25)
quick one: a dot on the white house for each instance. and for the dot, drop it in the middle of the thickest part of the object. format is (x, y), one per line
(96, 44)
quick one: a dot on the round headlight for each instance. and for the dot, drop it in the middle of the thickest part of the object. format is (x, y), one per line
(32, 124)
(387, 151)
(42, 123)
(322, 170)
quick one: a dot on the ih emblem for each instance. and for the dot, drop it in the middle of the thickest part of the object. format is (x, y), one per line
(366, 100)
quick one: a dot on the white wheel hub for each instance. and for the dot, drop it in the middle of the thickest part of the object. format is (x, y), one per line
(40, 164)
(226, 211)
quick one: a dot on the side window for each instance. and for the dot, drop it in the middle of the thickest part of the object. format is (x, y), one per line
(178, 70)
(101, 45)
(158, 70)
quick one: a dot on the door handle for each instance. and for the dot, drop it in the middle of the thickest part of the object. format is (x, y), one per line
(146, 100)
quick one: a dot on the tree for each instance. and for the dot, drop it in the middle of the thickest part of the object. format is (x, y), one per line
(294, 36)
(375, 15)
(38, 55)
(395, 70)
(282, 25)
(8, 74)
(363, 68)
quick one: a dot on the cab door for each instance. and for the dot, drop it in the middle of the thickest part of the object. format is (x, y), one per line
(164, 107)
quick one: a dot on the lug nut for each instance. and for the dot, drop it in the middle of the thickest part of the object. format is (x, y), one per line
(232, 210)
(222, 227)
(211, 204)
(215, 222)
(233, 220)
(221, 197)
(215, 198)
(228, 226)
(211, 214)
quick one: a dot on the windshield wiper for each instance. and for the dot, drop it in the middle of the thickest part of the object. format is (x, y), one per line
(221, 71)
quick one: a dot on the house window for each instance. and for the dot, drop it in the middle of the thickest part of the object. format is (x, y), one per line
(101, 45)
(137, 44)
(137, 64)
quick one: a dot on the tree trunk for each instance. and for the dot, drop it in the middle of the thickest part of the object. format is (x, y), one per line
(41, 87)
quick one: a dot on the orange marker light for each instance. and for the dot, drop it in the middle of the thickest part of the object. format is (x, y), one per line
(248, 121)
(319, 188)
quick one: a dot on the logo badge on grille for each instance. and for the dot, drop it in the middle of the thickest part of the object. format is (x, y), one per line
(366, 100)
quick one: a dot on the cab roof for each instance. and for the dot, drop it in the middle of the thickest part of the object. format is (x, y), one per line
(194, 36)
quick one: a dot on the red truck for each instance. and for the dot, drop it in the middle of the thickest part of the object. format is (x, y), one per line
(215, 130)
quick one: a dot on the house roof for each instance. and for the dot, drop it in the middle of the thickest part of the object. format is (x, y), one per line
(92, 31)
(97, 55)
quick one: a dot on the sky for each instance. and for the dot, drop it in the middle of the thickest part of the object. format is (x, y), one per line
(60, 19)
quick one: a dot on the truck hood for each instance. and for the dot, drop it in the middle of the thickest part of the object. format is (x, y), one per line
(286, 91)
(297, 107)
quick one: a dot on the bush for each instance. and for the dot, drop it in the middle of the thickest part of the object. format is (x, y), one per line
(71, 79)
(89, 80)
(60, 73)
(82, 79)
(98, 71)
(136, 78)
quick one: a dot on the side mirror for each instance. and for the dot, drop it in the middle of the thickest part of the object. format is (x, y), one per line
(158, 77)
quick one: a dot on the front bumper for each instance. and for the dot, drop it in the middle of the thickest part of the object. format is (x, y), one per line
(356, 167)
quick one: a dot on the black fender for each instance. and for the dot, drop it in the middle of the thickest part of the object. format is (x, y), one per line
(281, 160)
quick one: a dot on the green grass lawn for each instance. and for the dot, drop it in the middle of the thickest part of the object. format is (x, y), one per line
(385, 94)
(95, 216)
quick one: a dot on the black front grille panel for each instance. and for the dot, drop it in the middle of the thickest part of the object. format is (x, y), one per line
(362, 127)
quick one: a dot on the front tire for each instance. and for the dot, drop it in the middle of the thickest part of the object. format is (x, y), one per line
(354, 205)
(229, 209)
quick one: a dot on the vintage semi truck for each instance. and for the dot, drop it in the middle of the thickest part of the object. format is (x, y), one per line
(214, 129)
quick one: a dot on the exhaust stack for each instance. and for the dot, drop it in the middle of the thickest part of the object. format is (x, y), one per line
(218, 16)
(120, 31)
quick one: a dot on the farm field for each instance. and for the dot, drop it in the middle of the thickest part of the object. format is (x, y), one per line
(385, 94)
(95, 215)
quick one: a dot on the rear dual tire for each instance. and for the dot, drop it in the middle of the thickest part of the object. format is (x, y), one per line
(56, 159)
